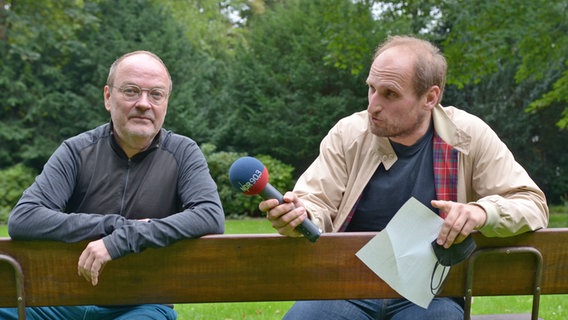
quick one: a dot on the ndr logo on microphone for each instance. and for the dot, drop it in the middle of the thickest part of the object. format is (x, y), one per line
(253, 179)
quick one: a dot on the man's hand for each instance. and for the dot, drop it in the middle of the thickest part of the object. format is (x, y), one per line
(93, 260)
(461, 219)
(287, 216)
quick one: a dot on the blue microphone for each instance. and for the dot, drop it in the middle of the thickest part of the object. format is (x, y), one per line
(250, 176)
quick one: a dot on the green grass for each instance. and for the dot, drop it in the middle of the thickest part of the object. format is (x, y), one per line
(233, 311)
(558, 220)
(552, 307)
(248, 226)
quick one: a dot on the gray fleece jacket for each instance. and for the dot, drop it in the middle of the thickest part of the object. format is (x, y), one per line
(89, 189)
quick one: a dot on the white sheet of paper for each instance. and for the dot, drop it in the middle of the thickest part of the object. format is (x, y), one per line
(402, 253)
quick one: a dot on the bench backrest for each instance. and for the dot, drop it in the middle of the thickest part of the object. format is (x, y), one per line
(266, 267)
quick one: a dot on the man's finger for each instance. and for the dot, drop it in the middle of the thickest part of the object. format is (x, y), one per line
(442, 205)
(94, 277)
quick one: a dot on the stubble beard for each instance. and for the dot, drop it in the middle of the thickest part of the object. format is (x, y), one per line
(394, 130)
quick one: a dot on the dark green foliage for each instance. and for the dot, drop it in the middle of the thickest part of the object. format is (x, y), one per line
(41, 102)
(235, 203)
(532, 137)
(53, 88)
(297, 75)
(140, 25)
(275, 82)
(13, 181)
(487, 34)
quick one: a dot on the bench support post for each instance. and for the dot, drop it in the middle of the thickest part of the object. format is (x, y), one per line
(504, 250)
(19, 284)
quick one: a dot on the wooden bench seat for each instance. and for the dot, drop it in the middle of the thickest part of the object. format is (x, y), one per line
(262, 267)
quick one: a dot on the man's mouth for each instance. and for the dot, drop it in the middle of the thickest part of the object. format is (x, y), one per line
(375, 119)
(140, 118)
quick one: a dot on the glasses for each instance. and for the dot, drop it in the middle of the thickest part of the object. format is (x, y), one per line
(133, 93)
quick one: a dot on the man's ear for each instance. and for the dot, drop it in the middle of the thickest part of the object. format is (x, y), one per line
(106, 96)
(432, 97)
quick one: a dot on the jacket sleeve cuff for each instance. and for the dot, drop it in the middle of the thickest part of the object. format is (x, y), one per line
(112, 250)
(492, 213)
(318, 218)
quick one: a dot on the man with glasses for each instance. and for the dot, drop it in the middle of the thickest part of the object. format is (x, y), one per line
(126, 185)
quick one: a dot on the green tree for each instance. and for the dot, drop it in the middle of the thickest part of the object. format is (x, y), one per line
(300, 70)
(13, 181)
(537, 144)
(212, 25)
(485, 34)
(145, 25)
(55, 63)
(418, 17)
(505, 58)
(37, 39)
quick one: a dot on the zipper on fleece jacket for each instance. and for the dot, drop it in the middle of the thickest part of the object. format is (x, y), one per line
(123, 198)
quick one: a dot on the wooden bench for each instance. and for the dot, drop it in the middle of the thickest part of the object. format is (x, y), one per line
(254, 267)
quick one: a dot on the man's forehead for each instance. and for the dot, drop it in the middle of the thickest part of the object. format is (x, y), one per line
(141, 60)
(392, 64)
(141, 66)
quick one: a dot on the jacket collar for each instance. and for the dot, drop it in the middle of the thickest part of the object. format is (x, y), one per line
(444, 126)
(447, 129)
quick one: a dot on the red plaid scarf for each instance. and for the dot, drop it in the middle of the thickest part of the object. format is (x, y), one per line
(445, 163)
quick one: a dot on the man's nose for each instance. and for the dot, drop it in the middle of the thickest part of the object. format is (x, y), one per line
(144, 100)
(374, 104)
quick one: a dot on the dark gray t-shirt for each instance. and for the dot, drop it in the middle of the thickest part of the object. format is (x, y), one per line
(412, 175)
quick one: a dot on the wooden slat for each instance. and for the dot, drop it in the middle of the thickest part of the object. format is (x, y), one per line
(259, 268)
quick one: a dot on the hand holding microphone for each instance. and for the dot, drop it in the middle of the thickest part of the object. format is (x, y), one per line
(250, 176)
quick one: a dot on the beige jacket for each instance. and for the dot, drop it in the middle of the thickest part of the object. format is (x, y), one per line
(488, 174)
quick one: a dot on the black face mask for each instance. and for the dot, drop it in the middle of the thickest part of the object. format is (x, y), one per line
(455, 254)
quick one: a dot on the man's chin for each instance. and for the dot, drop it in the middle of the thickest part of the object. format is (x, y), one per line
(379, 132)
(142, 132)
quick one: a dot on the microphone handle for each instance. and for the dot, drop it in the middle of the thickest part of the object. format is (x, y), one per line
(270, 192)
(307, 228)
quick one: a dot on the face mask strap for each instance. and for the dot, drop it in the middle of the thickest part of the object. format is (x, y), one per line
(440, 284)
